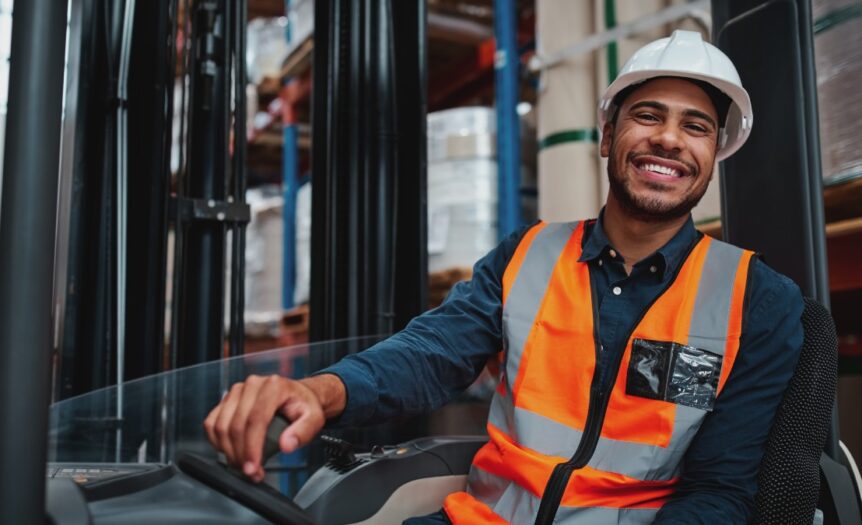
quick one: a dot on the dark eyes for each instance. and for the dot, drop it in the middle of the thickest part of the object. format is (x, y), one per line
(691, 126)
(649, 117)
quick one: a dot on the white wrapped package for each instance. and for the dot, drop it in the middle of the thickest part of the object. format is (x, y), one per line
(266, 48)
(303, 245)
(838, 54)
(462, 187)
(300, 23)
(263, 261)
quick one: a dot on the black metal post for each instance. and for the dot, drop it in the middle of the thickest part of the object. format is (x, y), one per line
(410, 49)
(201, 325)
(759, 188)
(87, 346)
(369, 168)
(27, 226)
(151, 74)
(238, 185)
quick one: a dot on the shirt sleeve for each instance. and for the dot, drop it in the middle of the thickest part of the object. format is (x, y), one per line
(438, 354)
(719, 478)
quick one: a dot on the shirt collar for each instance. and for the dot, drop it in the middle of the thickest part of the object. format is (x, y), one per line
(667, 258)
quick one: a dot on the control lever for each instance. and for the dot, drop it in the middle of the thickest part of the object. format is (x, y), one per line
(273, 432)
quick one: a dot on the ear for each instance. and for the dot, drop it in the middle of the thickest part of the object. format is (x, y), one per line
(607, 139)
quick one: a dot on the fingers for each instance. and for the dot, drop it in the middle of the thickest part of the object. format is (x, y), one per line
(239, 421)
(209, 426)
(271, 394)
(223, 422)
(237, 426)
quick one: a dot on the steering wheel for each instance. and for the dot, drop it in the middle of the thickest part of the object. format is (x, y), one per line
(260, 498)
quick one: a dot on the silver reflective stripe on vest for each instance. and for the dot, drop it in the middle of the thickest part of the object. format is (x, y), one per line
(485, 486)
(551, 438)
(501, 414)
(519, 506)
(708, 329)
(600, 515)
(529, 289)
(649, 462)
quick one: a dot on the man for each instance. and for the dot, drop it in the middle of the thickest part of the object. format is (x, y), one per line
(642, 362)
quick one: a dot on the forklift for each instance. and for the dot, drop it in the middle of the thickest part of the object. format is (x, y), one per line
(83, 250)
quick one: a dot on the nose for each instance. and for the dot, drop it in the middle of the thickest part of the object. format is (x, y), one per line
(668, 137)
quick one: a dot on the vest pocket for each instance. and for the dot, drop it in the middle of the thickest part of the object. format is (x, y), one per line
(673, 372)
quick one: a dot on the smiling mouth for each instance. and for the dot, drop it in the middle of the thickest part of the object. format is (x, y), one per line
(661, 170)
(661, 167)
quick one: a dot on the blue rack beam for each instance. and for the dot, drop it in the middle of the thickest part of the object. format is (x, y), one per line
(506, 66)
(290, 159)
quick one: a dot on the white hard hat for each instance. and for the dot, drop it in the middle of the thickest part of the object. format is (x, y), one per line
(686, 55)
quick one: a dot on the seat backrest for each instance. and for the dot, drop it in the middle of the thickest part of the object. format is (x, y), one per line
(789, 479)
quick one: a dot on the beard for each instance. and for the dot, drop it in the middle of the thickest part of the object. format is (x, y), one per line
(645, 208)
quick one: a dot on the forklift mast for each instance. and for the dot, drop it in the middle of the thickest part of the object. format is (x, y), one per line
(369, 205)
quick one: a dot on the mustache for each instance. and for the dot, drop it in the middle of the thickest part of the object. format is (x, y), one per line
(664, 154)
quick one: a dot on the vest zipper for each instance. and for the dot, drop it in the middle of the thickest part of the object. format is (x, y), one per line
(598, 406)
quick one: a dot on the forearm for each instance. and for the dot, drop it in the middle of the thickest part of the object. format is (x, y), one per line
(439, 353)
(413, 372)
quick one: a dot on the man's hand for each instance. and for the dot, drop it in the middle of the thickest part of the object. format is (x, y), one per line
(237, 425)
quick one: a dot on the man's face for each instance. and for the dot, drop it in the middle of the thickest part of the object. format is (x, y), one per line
(661, 149)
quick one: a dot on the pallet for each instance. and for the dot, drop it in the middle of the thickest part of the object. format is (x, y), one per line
(843, 201)
(295, 320)
(299, 60)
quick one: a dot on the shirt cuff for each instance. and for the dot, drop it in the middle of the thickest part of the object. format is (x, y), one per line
(361, 390)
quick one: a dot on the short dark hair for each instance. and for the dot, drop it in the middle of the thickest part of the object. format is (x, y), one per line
(720, 101)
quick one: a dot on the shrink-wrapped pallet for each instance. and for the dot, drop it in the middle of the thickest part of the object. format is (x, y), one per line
(838, 54)
(263, 261)
(300, 23)
(266, 48)
(462, 186)
(302, 253)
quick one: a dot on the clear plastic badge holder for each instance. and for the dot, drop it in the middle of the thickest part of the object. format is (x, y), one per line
(673, 372)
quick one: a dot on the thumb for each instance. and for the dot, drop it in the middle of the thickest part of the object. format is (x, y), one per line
(288, 442)
(306, 423)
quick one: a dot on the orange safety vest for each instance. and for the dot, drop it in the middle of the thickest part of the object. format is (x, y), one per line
(546, 406)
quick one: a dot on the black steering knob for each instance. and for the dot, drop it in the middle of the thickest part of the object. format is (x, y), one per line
(273, 432)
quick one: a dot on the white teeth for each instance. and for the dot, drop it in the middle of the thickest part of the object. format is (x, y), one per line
(661, 169)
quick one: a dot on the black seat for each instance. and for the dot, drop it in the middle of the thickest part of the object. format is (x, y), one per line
(789, 480)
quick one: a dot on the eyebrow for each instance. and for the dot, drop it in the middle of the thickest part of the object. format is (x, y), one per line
(663, 107)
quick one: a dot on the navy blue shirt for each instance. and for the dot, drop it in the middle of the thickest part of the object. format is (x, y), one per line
(441, 352)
